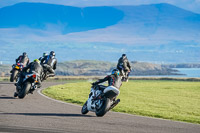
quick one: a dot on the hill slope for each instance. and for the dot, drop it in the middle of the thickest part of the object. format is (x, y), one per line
(158, 32)
(102, 68)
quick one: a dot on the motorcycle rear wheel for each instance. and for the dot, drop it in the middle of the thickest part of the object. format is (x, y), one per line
(13, 76)
(105, 107)
(24, 90)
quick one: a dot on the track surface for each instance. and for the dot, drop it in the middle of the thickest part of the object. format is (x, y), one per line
(36, 113)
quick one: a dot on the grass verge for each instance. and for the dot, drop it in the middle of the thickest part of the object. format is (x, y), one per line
(174, 100)
(4, 78)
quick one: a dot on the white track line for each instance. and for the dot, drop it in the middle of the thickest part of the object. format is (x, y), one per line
(39, 91)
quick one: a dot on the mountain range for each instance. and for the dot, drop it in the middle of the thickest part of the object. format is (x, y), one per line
(153, 33)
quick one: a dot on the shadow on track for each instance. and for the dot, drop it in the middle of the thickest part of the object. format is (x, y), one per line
(48, 114)
(6, 97)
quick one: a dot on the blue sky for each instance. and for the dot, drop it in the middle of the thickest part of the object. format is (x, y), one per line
(191, 5)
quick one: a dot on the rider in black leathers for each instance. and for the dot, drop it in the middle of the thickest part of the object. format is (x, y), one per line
(23, 59)
(43, 56)
(113, 79)
(124, 65)
(50, 61)
(32, 67)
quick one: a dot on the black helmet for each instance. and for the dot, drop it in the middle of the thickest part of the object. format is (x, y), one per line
(115, 72)
(124, 56)
(44, 54)
(52, 53)
(24, 54)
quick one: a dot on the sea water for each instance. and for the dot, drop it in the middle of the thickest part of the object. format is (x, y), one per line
(189, 72)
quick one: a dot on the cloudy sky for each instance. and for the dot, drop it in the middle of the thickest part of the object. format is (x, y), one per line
(191, 5)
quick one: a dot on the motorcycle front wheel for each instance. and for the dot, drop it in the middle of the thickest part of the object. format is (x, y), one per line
(104, 108)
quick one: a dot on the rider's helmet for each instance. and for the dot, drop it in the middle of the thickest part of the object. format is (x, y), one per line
(24, 54)
(115, 72)
(36, 60)
(123, 55)
(44, 54)
(52, 53)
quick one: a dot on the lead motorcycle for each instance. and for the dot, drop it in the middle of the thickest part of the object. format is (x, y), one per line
(124, 76)
(101, 100)
(28, 85)
(16, 69)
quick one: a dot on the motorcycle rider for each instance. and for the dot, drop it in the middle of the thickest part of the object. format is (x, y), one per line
(124, 65)
(50, 62)
(113, 79)
(103, 98)
(32, 67)
(23, 59)
(43, 56)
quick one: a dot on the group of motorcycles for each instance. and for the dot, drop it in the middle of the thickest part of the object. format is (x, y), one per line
(99, 101)
(30, 80)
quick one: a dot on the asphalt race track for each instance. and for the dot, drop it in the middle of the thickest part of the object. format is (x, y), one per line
(38, 114)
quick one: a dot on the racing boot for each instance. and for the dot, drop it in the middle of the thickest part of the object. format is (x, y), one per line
(15, 94)
(17, 90)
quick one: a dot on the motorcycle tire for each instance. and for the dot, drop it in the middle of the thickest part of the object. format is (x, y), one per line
(24, 90)
(13, 76)
(103, 110)
(84, 109)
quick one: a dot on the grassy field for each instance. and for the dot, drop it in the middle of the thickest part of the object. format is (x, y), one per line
(175, 100)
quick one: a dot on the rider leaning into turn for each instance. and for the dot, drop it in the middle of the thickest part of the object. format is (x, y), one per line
(32, 67)
(50, 62)
(113, 79)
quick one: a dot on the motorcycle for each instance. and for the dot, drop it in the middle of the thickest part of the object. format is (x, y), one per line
(123, 74)
(101, 100)
(28, 85)
(16, 69)
(45, 73)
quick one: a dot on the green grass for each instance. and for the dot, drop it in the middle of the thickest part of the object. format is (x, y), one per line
(4, 78)
(175, 100)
